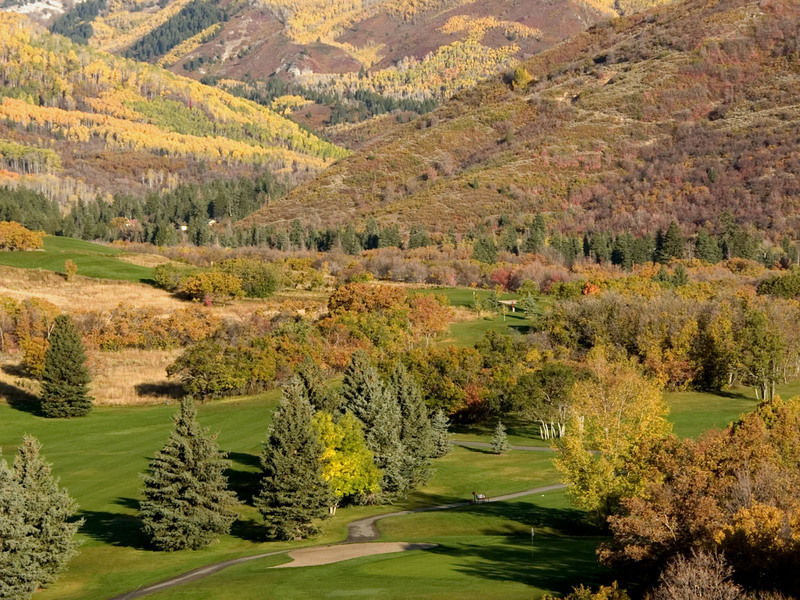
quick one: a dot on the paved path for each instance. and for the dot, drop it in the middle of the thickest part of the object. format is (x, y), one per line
(512, 447)
(363, 530)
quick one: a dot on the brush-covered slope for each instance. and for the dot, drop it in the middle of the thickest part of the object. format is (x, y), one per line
(76, 122)
(679, 113)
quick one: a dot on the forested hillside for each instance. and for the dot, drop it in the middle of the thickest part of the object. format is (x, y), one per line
(75, 123)
(679, 113)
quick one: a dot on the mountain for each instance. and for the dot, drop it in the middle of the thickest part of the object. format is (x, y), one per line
(76, 122)
(677, 113)
(336, 60)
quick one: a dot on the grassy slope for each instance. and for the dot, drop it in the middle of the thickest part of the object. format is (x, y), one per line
(600, 106)
(93, 260)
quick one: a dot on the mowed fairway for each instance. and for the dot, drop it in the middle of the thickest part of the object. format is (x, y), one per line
(99, 459)
(93, 260)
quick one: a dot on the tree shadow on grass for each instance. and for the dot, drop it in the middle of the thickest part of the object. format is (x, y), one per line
(115, 528)
(161, 389)
(559, 556)
(244, 483)
(476, 449)
(248, 529)
(20, 399)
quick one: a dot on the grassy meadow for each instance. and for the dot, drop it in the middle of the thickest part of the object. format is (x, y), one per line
(93, 260)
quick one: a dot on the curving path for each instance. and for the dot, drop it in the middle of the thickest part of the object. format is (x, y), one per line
(363, 530)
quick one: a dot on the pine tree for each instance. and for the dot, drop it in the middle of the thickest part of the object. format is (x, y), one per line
(19, 574)
(186, 498)
(293, 492)
(440, 425)
(499, 439)
(65, 381)
(366, 397)
(670, 244)
(48, 513)
(312, 377)
(416, 433)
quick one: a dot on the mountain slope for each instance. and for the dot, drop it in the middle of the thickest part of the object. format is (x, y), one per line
(81, 122)
(679, 113)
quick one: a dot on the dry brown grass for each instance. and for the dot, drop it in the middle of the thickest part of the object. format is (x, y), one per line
(132, 377)
(144, 260)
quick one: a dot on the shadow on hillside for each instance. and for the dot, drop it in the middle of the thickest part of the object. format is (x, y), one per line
(161, 389)
(245, 484)
(20, 399)
(562, 553)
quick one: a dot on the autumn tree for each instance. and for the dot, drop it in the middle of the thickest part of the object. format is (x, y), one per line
(700, 576)
(293, 492)
(614, 417)
(347, 464)
(65, 379)
(187, 502)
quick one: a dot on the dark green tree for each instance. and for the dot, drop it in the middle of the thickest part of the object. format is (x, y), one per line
(316, 390)
(670, 244)
(187, 502)
(65, 381)
(416, 434)
(389, 237)
(418, 237)
(48, 514)
(368, 399)
(440, 425)
(371, 237)
(485, 250)
(293, 492)
(349, 240)
(537, 232)
(707, 248)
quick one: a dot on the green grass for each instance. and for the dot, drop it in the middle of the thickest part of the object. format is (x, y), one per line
(483, 551)
(93, 260)
(692, 412)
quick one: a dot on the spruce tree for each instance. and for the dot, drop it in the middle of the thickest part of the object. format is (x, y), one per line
(440, 425)
(499, 439)
(19, 574)
(65, 381)
(312, 377)
(48, 513)
(367, 398)
(187, 502)
(293, 492)
(416, 433)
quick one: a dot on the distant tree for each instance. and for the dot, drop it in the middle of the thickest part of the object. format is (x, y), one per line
(537, 232)
(418, 237)
(707, 248)
(48, 515)
(389, 237)
(670, 244)
(70, 269)
(485, 250)
(65, 380)
(293, 493)
(371, 238)
(499, 441)
(440, 425)
(186, 499)
(349, 240)
(348, 466)
(521, 79)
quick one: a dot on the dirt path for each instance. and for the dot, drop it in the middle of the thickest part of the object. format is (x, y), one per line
(363, 530)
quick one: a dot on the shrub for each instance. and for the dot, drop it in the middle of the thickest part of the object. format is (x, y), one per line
(14, 236)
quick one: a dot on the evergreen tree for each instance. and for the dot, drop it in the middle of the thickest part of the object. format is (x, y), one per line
(485, 250)
(19, 573)
(366, 397)
(418, 237)
(47, 514)
(440, 425)
(508, 241)
(416, 434)
(349, 240)
(536, 235)
(670, 244)
(499, 439)
(186, 498)
(622, 251)
(371, 238)
(389, 237)
(312, 377)
(293, 492)
(707, 248)
(65, 381)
